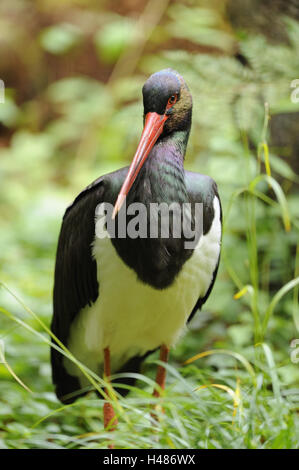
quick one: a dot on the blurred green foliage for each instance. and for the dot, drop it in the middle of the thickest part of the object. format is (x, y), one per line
(73, 73)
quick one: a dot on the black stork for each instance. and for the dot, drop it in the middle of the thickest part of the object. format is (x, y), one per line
(117, 299)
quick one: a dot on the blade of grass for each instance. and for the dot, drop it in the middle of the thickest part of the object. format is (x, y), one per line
(279, 194)
(10, 370)
(284, 290)
(272, 371)
(234, 354)
(70, 356)
(296, 292)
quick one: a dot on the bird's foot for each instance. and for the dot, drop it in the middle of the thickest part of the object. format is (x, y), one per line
(110, 419)
(157, 411)
(160, 381)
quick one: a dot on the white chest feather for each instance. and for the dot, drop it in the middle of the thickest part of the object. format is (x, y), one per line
(131, 317)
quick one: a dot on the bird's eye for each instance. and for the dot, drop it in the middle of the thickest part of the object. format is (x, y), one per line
(172, 100)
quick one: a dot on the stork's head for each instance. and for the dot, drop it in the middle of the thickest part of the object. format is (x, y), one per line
(166, 94)
(167, 109)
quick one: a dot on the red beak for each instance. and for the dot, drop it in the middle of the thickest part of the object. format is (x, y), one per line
(153, 128)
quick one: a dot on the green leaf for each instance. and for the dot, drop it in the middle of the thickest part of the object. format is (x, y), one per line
(61, 38)
(114, 38)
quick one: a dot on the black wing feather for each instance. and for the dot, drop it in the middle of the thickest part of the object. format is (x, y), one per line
(76, 282)
(202, 188)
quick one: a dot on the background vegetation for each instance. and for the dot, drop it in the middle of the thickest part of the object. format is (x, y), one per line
(73, 73)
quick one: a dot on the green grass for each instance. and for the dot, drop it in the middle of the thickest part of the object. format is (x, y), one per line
(251, 412)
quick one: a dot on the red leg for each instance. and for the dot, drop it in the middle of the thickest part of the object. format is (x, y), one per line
(109, 414)
(161, 375)
(161, 371)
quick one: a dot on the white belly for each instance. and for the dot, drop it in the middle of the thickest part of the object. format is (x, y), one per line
(131, 317)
